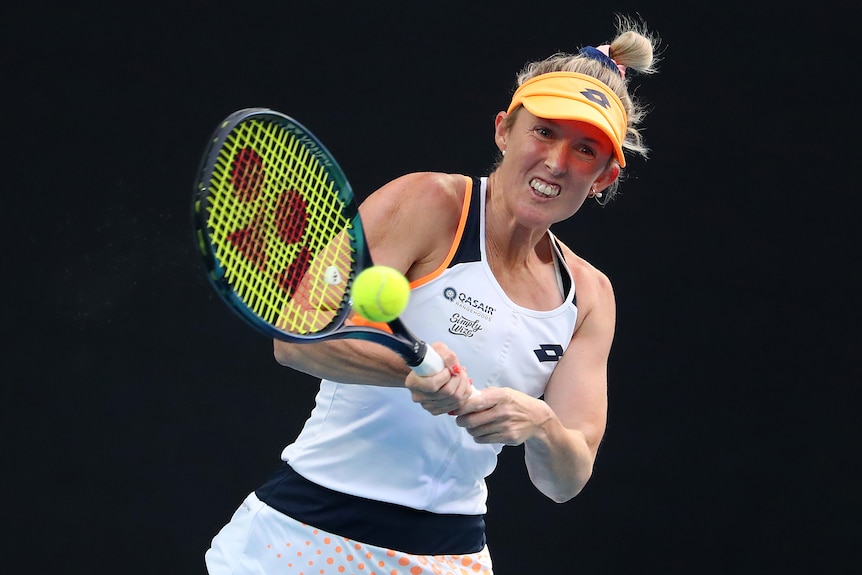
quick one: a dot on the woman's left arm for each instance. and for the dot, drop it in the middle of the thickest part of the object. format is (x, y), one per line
(561, 455)
(561, 434)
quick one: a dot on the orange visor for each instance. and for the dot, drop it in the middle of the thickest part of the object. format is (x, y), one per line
(573, 96)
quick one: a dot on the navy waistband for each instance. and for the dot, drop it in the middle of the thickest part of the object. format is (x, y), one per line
(374, 522)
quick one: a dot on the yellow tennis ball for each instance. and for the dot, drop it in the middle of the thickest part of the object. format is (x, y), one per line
(380, 293)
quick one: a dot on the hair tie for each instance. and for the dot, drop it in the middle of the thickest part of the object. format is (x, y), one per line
(602, 54)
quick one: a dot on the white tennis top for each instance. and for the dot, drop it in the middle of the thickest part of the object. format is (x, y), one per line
(375, 442)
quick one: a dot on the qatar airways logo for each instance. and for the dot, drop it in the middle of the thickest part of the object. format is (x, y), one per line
(467, 302)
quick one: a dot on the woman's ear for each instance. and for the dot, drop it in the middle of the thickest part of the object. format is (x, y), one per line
(607, 177)
(501, 131)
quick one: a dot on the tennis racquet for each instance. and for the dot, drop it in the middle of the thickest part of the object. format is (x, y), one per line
(281, 238)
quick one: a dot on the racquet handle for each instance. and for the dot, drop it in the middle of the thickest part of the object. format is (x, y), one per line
(431, 364)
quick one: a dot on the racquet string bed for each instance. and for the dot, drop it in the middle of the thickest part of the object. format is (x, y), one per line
(277, 226)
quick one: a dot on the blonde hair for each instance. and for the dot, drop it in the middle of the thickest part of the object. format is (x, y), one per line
(633, 47)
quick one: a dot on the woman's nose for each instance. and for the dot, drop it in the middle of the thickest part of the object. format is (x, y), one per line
(557, 159)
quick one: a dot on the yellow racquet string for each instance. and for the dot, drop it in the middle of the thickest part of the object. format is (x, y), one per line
(256, 272)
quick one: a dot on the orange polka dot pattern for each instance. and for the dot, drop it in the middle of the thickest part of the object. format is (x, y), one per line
(317, 552)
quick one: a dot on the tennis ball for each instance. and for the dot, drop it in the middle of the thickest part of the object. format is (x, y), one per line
(380, 293)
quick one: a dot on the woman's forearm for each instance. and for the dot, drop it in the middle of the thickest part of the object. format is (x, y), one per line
(345, 361)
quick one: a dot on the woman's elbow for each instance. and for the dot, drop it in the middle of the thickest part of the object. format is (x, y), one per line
(562, 494)
(561, 490)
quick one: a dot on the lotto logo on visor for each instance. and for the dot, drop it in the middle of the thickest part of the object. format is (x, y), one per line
(597, 97)
(573, 96)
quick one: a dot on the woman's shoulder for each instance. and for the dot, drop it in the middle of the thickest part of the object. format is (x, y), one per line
(411, 221)
(429, 186)
(419, 197)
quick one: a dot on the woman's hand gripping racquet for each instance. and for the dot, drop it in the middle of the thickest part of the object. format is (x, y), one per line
(280, 234)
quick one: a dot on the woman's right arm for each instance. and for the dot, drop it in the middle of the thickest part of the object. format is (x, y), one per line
(409, 225)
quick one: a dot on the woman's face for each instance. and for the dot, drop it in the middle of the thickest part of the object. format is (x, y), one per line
(551, 166)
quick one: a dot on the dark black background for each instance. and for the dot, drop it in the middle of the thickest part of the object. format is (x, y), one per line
(138, 412)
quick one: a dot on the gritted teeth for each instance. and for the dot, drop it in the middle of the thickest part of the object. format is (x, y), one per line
(544, 188)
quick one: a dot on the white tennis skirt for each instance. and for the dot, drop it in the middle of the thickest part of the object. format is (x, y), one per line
(259, 540)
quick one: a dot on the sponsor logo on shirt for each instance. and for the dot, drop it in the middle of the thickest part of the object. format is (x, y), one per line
(467, 324)
(460, 325)
(549, 352)
(469, 303)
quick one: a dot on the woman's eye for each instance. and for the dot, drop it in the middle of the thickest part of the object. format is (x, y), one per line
(543, 132)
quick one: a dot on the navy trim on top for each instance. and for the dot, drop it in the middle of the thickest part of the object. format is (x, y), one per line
(566, 276)
(469, 249)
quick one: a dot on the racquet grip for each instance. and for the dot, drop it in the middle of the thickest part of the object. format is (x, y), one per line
(431, 364)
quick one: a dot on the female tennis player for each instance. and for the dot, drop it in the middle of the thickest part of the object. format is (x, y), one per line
(388, 474)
